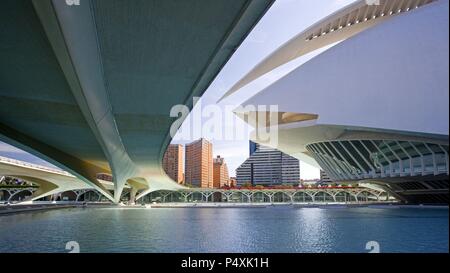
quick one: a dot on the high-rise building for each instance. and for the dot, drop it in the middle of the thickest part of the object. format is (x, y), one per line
(324, 177)
(252, 146)
(173, 162)
(232, 182)
(267, 166)
(220, 172)
(199, 164)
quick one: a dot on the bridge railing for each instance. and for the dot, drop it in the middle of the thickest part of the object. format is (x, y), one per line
(32, 166)
(286, 187)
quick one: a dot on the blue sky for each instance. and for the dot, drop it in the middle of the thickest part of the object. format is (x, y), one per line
(284, 19)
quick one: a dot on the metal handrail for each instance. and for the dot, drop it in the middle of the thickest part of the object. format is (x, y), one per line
(34, 166)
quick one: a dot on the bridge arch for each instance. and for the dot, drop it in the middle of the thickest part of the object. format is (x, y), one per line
(68, 196)
(323, 196)
(344, 196)
(281, 197)
(239, 197)
(89, 196)
(302, 197)
(173, 196)
(137, 184)
(383, 196)
(4, 195)
(260, 197)
(20, 195)
(365, 196)
(195, 196)
(125, 195)
(157, 196)
(217, 196)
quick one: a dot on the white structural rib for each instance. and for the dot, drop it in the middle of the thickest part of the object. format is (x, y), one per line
(50, 180)
(336, 27)
(398, 92)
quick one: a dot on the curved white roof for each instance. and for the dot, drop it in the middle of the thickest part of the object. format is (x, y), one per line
(391, 77)
(336, 27)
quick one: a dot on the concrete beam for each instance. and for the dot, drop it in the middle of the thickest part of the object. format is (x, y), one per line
(82, 170)
(73, 36)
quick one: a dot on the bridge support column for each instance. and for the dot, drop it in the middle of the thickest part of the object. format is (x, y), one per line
(133, 193)
(11, 194)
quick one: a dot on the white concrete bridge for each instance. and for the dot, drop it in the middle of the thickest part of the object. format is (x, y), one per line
(49, 181)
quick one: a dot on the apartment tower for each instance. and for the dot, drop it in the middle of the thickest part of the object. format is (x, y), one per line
(199, 164)
(173, 162)
(220, 172)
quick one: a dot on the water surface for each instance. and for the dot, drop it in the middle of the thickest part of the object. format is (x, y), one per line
(270, 229)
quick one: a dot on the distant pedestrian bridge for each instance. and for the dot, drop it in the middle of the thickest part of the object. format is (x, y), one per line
(21, 181)
(294, 195)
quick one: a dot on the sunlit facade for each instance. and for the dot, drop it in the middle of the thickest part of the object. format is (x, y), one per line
(221, 177)
(199, 164)
(379, 99)
(267, 166)
(173, 162)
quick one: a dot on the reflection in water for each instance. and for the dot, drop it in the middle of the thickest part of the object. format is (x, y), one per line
(273, 229)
